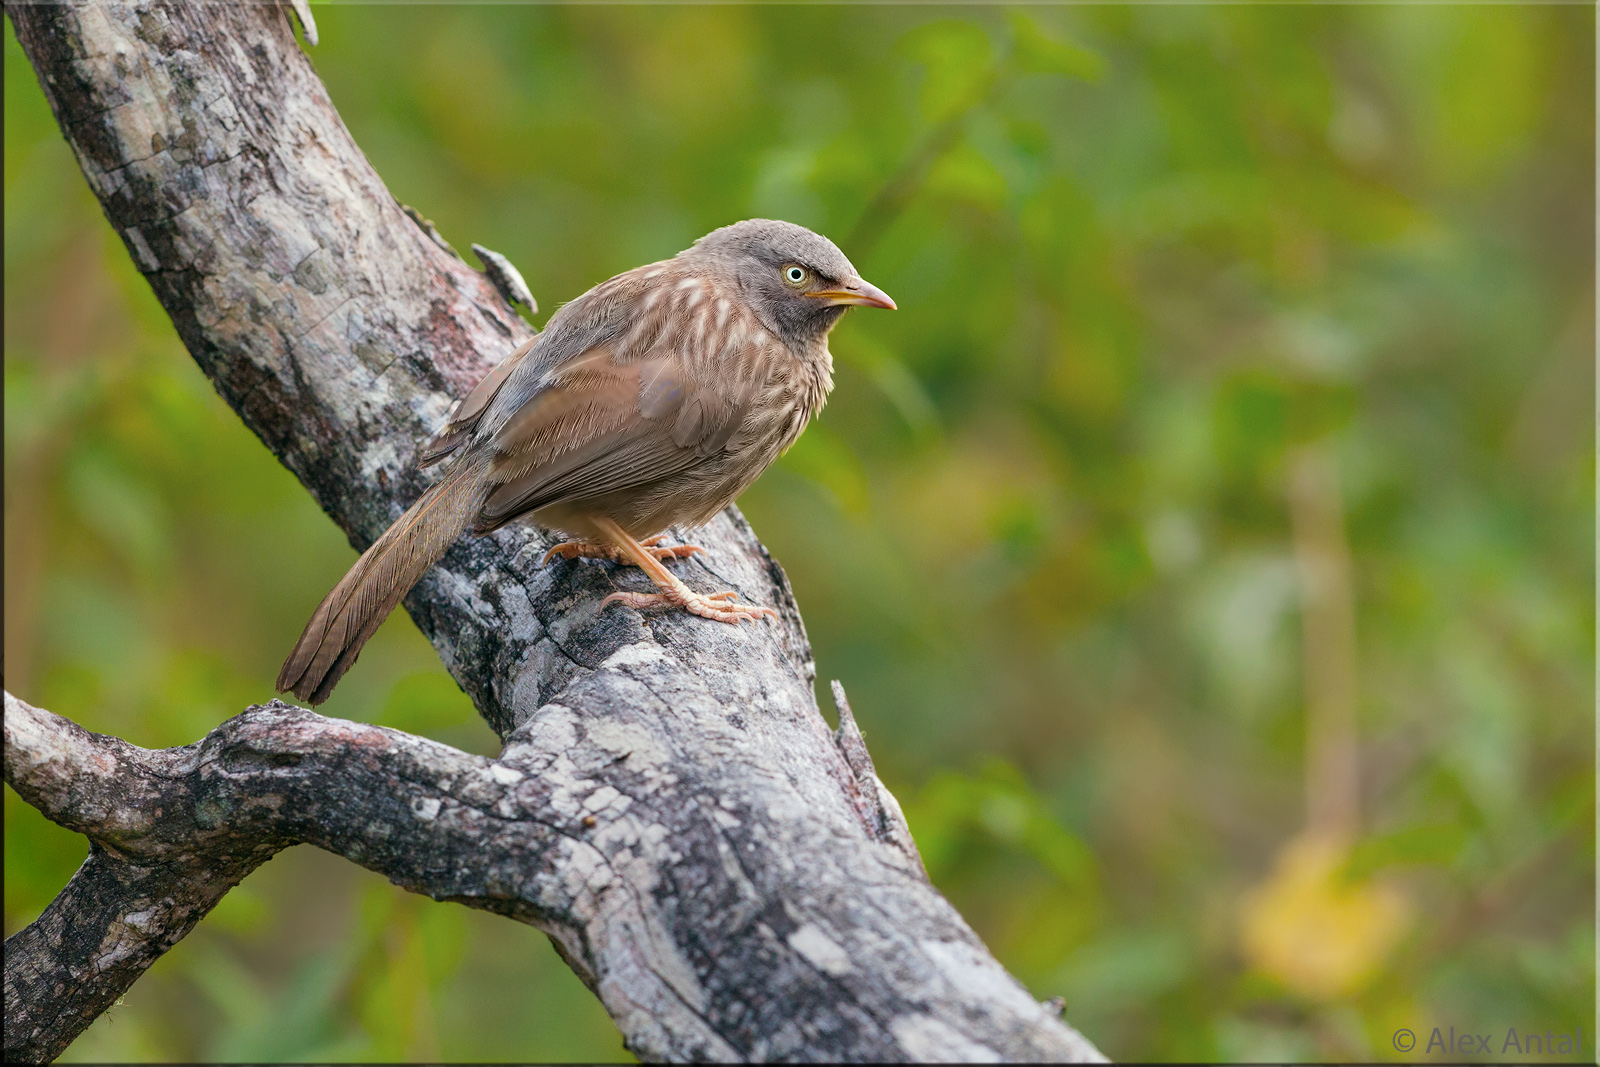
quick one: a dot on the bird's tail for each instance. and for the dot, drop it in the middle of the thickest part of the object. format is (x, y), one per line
(348, 615)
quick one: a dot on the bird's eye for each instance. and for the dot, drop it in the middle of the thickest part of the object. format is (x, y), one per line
(795, 275)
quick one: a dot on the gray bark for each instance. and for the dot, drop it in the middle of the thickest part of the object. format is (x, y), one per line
(730, 878)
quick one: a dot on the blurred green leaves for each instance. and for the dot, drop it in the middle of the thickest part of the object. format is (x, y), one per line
(1038, 53)
(999, 807)
(957, 59)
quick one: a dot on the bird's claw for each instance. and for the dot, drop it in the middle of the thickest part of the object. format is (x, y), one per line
(596, 550)
(717, 606)
(673, 551)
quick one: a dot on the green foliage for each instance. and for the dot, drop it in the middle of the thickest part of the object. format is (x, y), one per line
(1146, 257)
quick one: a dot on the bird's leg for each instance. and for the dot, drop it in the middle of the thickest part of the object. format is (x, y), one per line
(597, 550)
(673, 592)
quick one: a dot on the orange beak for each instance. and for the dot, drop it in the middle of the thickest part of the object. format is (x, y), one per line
(856, 292)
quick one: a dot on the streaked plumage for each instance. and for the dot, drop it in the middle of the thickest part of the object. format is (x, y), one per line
(650, 401)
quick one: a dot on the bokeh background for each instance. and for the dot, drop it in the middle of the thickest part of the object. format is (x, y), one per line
(1207, 544)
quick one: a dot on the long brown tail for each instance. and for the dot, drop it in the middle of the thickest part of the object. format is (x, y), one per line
(350, 614)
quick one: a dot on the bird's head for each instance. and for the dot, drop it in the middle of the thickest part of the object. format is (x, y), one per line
(798, 282)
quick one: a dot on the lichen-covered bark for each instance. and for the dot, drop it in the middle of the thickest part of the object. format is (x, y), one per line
(729, 877)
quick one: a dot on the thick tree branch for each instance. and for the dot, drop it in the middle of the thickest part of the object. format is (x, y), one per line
(172, 831)
(730, 879)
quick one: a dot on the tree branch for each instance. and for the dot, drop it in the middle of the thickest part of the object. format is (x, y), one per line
(730, 879)
(172, 831)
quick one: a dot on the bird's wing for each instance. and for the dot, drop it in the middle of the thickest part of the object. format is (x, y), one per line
(464, 416)
(599, 426)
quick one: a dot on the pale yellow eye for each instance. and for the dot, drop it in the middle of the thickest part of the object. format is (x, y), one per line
(795, 275)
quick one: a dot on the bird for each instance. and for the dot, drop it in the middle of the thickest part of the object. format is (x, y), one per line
(650, 401)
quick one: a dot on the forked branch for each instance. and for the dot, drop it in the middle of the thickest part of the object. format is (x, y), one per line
(731, 880)
(171, 831)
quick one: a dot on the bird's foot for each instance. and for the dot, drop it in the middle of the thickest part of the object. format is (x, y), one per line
(716, 606)
(598, 550)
